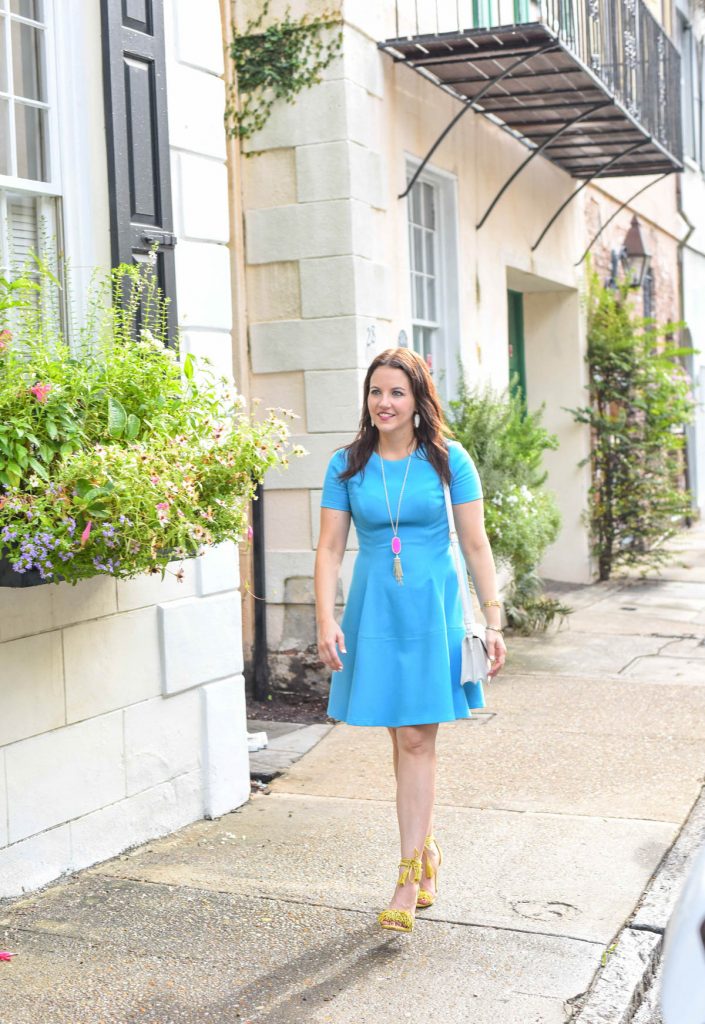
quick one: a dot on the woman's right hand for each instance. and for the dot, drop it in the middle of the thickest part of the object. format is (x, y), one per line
(330, 640)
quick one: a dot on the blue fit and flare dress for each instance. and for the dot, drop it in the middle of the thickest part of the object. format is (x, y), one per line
(403, 641)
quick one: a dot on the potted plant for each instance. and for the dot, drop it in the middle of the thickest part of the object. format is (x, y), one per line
(116, 456)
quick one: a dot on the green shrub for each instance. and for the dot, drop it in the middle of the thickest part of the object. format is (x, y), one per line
(507, 443)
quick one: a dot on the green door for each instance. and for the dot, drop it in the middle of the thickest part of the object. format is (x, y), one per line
(517, 365)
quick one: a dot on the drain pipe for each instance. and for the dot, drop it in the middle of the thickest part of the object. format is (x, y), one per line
(691, 445)
(260, 683)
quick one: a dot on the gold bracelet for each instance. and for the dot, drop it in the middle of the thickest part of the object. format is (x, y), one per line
(494, 603)
(496, 629)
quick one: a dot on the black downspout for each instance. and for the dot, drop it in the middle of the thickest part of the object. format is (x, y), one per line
(260, 684)
(691, 452)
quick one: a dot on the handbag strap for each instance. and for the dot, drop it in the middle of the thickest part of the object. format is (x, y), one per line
(460, 570)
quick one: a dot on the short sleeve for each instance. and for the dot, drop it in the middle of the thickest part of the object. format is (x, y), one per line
(335, 490)
(465, 482)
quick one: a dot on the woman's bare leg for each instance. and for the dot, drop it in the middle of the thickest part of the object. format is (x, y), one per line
(415, 768)
(395, 751)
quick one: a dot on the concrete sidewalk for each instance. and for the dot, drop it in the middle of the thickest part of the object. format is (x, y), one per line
(555, 807)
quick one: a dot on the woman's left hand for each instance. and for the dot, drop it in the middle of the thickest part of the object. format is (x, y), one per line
(496, 650)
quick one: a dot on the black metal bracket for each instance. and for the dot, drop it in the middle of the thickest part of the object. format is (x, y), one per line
(472, 104)
(164, 239)
(537, 152)
(596, 174)
(619, 210)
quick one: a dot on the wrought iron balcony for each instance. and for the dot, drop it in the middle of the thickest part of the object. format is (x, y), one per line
(593, 85)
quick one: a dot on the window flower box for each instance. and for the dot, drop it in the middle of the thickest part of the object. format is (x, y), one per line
(116, 457)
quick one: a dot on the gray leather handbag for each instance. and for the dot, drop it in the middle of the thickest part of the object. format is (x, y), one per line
(475, 663)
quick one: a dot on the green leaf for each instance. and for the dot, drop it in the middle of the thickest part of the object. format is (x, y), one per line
(46, 452)
(83, 487)
(52, 430)
(132, 427)
(38, 468)
(14, 469)
(21, 455)
(117, 417)
(66, 449)
(188, 366)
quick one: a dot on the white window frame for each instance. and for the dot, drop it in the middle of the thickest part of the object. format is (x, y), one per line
(446, 341)
(48, 193)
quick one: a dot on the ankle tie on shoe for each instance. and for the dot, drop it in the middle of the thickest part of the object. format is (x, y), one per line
(410, 866)
(429, 841)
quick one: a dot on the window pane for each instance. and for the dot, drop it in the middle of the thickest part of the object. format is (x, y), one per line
(5, 148)
(417, 296)
(27, 8)
(414, 205)
(3, 56)
(428, 207)
(23, 230)
(417, 250)
(430, 298)
(27, 70)
(430, 264)
(423, 344)
(30, 132)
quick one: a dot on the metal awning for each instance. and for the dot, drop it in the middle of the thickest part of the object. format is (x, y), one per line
(597, 95)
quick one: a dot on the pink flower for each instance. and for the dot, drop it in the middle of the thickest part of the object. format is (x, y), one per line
(86, 533)
(5, 337)
(162, 511)
(40, 391)
(250, 533)
(4, 955)
(154, 479)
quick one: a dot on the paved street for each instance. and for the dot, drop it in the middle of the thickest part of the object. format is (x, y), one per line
(555, 806)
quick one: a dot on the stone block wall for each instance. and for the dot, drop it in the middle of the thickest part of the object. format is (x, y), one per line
(318, 286)
(122, 715)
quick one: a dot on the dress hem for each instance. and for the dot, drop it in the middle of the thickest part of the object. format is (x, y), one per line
(399, 725)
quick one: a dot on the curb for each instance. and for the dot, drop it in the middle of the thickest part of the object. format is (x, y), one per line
(267, 763)
(618, 988)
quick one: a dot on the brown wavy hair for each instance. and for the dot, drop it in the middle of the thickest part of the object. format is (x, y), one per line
(432, 430)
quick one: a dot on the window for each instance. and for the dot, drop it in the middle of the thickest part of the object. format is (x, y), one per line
(423, 243)
(29, 186)
(433, 266)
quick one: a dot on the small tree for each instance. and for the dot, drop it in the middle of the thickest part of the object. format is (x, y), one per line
(639, 402)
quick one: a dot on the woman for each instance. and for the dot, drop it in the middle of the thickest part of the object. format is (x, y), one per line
(396, 657)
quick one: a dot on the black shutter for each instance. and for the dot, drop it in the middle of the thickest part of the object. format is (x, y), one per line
(134, 75)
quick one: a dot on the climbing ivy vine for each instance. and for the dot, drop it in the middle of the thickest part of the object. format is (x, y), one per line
(277, 63)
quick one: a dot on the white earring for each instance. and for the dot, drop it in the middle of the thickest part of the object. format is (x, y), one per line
(417, 421)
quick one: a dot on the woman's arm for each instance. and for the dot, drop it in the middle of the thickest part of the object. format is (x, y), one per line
(335, 526)
(470, 524)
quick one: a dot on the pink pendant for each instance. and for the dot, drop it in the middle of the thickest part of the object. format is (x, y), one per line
(396, 545)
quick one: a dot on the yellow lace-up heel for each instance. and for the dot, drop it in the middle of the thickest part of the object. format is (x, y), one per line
(426, 898)
(395, 920)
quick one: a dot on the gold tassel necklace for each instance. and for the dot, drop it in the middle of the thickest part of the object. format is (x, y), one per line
(396, 541)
